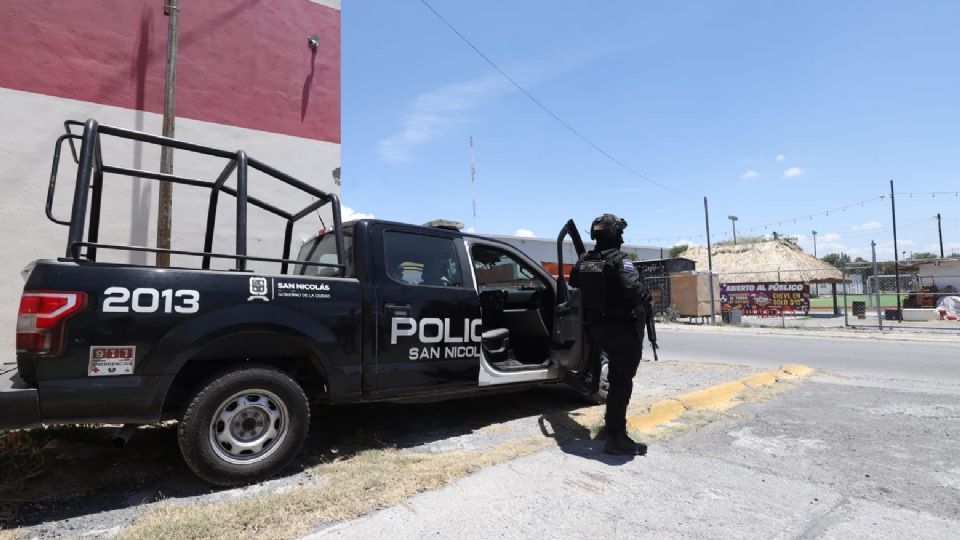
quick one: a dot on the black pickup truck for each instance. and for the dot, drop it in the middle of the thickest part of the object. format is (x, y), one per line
(368, 311)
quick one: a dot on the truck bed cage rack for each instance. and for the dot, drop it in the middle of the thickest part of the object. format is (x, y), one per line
(89, 190)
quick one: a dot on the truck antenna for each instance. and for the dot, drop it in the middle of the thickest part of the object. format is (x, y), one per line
(473, 185)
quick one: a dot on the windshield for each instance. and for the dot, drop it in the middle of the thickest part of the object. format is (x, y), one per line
(323, 249)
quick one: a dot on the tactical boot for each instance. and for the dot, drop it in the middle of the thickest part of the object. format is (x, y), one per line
(622, 445)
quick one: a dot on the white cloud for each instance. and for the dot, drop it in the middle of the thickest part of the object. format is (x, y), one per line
(434, 113)
(869, 226)
(349, 214)
(440, 111)
(829, 238)
(470, 230)
(524, 233)
(780, 157)
(793, 172)
(749, 174)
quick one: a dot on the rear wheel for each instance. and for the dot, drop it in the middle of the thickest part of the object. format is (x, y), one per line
(600, 396)
(244, 426)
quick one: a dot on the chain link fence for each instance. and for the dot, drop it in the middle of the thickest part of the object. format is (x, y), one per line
(909, 295)
(925, 295)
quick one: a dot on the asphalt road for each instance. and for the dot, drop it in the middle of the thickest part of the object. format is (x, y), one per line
(862, 356)
(866, 449)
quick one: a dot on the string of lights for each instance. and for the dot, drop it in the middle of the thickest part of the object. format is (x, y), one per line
(754, 228)
(932, 194)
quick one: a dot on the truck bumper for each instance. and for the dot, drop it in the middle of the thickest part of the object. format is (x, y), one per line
(19, 403)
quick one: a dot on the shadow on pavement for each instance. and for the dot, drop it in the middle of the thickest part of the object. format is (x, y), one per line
(575, 439)
(66, 472)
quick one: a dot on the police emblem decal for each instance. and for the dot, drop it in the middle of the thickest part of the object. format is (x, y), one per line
(628, 265)
(258, 289)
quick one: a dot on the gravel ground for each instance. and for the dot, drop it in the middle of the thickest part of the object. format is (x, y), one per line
(159, 475)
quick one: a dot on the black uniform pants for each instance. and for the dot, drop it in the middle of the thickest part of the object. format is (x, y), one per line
(622, 341)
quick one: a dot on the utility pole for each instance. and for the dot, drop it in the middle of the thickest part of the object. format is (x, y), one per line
(814, 244)
(896, 256)
(733, 221)
(940, 234)
(171, 9)
(706, 217)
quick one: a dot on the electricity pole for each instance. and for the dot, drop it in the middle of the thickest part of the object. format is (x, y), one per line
(733, 221)
(814, 244)
(940, 233)
(171, 9)
(706, 218)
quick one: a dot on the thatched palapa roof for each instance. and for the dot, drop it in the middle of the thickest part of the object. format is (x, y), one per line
(760, 262)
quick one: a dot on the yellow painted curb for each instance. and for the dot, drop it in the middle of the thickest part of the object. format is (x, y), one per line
(760, 379)
(714, 397)
(796, 370)
(660, 412)
(718, 397)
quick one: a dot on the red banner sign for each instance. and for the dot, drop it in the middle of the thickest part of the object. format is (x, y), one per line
(765, 298)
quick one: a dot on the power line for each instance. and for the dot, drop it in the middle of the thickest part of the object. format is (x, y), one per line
(547, 110)
(779, 223)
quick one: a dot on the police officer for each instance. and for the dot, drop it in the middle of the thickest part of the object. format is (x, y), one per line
(613, 295)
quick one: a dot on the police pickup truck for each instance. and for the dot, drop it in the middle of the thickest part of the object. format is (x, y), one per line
(368, 311)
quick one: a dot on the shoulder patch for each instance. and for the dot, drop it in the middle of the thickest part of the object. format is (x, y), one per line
(628, 265)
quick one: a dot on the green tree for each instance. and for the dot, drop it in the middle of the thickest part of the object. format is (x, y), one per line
(743, 240)
(836, 259)
(676, 250)
(922, 255)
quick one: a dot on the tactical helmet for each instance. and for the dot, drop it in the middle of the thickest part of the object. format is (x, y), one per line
(607, 226)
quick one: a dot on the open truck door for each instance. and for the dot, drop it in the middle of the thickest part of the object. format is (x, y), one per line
(573, 350)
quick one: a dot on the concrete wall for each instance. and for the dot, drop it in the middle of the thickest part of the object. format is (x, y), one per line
(940, 273)
(247, 80)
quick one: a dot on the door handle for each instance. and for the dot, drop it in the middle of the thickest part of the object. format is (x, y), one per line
(399, 310)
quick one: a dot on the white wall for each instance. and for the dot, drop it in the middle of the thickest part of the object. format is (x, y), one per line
(32, 122)
(941, 273)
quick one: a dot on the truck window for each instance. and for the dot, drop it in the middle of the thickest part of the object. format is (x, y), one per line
(498, 270)
(417, 259)
(323, 249)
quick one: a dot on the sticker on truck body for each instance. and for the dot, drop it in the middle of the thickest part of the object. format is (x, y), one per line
(148, 300)
(106, 361)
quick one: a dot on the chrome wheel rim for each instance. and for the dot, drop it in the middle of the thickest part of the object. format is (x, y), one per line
(604, 376)
(249, 427)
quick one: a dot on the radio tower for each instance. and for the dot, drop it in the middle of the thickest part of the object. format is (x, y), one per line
(473, 185)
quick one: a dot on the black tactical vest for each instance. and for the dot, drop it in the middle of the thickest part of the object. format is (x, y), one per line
(593, 285)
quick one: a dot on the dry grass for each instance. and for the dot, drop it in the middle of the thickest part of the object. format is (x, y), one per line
(759, 262)
(349, 488)
(22, 457)
(12, 534)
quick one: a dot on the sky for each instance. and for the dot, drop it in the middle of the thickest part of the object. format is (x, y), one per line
(788, 115)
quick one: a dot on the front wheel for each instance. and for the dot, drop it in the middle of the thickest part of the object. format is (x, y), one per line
(245, 425)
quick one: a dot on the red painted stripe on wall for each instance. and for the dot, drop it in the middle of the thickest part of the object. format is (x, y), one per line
(242, 62)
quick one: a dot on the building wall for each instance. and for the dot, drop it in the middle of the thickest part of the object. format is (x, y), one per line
(246, 80)
(940, 273)
(545, 250)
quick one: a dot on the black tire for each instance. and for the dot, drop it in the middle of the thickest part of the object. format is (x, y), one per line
(244, 426)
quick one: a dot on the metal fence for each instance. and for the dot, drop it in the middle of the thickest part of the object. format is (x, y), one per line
(926, 295)
(867, 295)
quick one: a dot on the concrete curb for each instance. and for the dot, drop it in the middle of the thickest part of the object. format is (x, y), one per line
(717, 397)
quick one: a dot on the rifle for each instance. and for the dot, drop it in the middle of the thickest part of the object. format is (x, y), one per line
(652, 331)
(649, 324)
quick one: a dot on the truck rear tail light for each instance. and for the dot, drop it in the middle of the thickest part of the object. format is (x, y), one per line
(42, 318)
